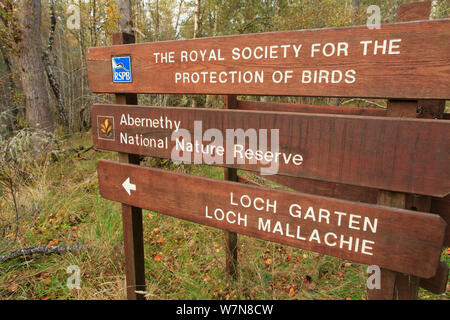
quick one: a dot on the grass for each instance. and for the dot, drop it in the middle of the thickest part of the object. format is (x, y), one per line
(183, 260)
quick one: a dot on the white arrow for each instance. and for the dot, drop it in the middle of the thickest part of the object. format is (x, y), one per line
(128, 186)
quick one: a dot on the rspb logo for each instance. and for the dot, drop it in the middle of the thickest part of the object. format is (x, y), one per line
(121, 67)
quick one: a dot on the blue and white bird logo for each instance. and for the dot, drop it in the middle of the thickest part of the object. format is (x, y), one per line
(121, 68)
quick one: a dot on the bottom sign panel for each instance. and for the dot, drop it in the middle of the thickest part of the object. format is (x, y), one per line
(400, 240)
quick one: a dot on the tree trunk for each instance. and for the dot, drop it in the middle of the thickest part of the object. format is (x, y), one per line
(62, 110)
(157, 26)
(216, 19)
(397, 4)
(125, 16)
(196, 33)
(177, 22)
(9, 73)
(196, 19)
(433, 12)
(75, 117)
(335, 102)
(32, 72)
(94, 22)
(211, 99)
(356, 4)
(11, 87)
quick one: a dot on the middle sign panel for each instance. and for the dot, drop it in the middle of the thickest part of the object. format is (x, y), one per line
(405, 155)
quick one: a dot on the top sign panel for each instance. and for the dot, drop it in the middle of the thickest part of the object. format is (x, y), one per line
(392, 62)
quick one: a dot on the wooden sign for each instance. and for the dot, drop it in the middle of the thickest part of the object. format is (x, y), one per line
(442, 206)
(430, 109)
(394, 61)
(407, 155)
(305, 108)
(401, 240)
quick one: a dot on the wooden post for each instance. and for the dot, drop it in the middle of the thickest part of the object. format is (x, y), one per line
(395, 285)
(131, 216)
(231, 238)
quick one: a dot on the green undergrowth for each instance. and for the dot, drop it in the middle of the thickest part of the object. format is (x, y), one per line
(183, 260)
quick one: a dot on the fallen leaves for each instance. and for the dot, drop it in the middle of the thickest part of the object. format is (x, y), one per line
(291, 292)
(45, 278)
(53, 242)
(158, 257)
(13, 287)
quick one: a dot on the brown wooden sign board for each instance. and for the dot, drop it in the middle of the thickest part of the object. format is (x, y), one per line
(305, 108)
(440, 206)
(407, 155)
(339, 157)
(438, 283)
(327, 189)
(394, 61)
(400, 240)
(423, 105)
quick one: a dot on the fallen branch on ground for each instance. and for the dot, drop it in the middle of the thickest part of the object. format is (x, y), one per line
(43, 249)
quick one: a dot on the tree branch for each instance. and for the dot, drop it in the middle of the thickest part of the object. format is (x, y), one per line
(43, 249)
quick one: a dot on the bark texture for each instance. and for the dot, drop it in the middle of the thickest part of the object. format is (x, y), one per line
(28, 252)
(61, 106)
(32, 72)
(125, 16)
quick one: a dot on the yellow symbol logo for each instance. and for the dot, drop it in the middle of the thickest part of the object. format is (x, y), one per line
(106, 128)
